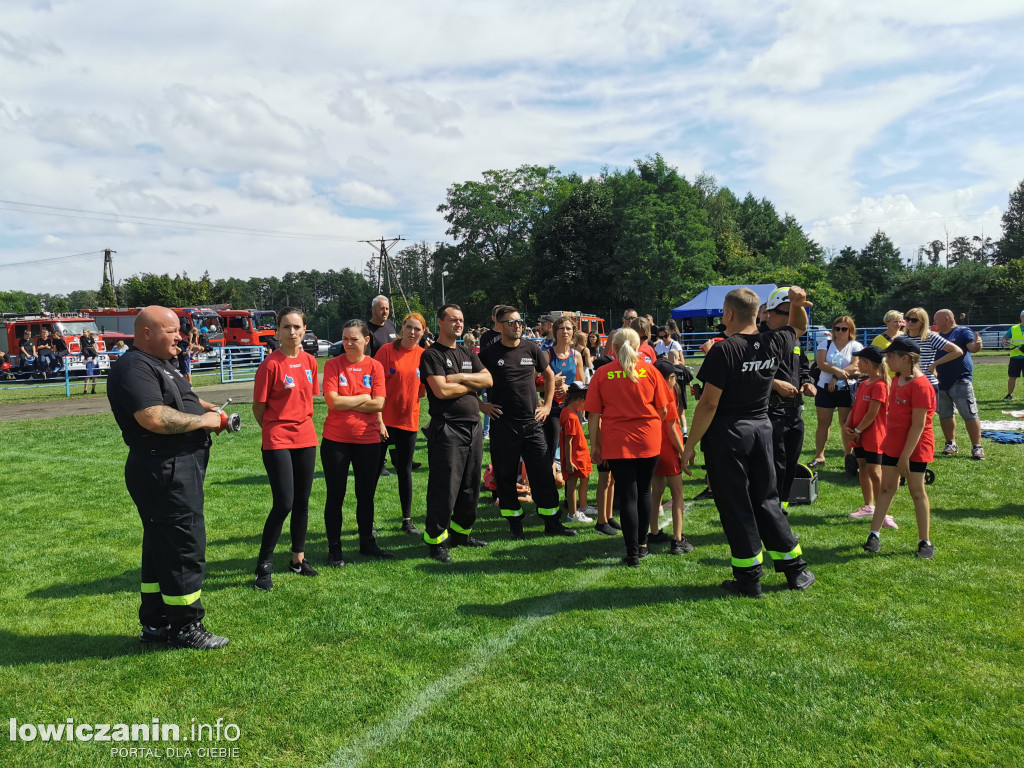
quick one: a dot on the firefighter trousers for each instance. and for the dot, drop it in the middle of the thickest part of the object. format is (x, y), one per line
(787, 442)
(510, 442)
(454, 452)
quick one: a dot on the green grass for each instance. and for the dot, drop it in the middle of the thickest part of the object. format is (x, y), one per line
(541, 652)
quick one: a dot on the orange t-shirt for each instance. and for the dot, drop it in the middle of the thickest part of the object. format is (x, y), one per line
(570, 425)
(630, 410)
(347, 378)
(287, 386)
(404, 388)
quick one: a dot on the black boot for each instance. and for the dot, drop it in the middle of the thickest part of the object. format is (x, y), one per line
(334, 558)
(553, 527)
(515, 527)
(748, 588)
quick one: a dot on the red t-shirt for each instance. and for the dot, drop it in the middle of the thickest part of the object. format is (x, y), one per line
(404, 389)
(669, 463)
(580, 455)
(347, 379)
(917, 393)
(287, 385)
(872, 437)
(630, 410)
(647, 353)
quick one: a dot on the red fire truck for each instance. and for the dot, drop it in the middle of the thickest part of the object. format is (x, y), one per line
(68, 325)
(247, 327)
(119, 322)
(584, 322)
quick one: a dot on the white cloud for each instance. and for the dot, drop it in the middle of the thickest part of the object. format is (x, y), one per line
(363, 195)
(287, 190)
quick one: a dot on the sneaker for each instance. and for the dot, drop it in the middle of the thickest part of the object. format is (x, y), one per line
(867, 510)
(416, 465)
(977, 452)
(644, 552)
(743, 588)
(590, 511)
(606, 529)
(302, 568)
(196, 636)
(614, 523)
(515, 528)
(384, 472)
(801, 580)
(873, 544)
(632, 562)
(1008, 398)
(579, 517)
(681, 547)
(439, 552)
(553, 527)
(705, 494)
(658, 538)
(487, 436)
(264, 577)
(925, 550)
(155, 634)
(408, 526)
(950, 448)
(334, 558)
(463, 540)
(890, 522)
(816, 464)
(370, 549)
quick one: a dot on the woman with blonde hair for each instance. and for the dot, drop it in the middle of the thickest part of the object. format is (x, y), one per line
(838, 370)
(627, 400)
(893, 327)
(931, 345)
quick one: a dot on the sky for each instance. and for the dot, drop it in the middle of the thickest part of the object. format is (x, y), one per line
(256, 138)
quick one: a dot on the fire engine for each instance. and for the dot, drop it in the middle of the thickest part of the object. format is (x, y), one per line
(247, 327)
(68, 325)
(119, 322)
(584, 322)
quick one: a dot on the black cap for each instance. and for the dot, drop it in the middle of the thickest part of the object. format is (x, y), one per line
(872, 353)
(665, 368)
(903, 344)
(577, 387)
(602, 360)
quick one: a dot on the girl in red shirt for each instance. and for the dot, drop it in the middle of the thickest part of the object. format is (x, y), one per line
(865, 428)
(909, 442)
(354, 390)
(629, 400)
(669, 471)
(576, 464)
(282, 403)
(400, 361)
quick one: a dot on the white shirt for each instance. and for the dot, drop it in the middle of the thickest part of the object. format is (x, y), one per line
(838, 358)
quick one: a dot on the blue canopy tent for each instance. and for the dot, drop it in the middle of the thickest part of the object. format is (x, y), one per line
(708, 303)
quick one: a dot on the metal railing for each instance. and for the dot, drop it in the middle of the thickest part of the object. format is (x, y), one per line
(240, 363)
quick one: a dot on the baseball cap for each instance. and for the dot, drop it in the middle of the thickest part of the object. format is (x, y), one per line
(576, 387)
(872, 353)
(904, 344)
(546, 319)
(602, 360)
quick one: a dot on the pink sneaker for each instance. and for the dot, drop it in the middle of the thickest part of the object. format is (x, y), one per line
(866, 511)
(889, 522)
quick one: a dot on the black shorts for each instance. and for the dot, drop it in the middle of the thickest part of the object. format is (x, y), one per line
(1016, 367)
(892, 461)
(604, 466)
(868, 456)
(838, 399)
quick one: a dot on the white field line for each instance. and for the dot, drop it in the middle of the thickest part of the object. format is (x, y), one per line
(379, 737)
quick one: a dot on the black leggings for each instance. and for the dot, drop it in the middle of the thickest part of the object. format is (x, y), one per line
(290, 471)
(404, 442)
(633, 493)
(365, 461)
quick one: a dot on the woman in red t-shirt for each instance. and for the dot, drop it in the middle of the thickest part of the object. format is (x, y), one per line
(400, 361)
(909, 442)
(629, 400)
(865, 427)
(354, 390)
(282, 403)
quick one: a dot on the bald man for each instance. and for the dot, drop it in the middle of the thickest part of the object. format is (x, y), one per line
(956, 387)
(167, 429)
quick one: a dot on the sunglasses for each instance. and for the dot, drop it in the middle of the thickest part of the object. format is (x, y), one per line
(913, 320)
(513, 322)
(840, 328)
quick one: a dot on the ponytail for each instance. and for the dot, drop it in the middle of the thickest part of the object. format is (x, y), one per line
(626, 343)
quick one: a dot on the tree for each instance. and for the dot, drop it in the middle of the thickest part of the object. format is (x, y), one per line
(932, 251)
(960, 251)
(984, 250)
(1011, 247)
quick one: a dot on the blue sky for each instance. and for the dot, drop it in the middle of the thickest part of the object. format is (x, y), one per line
(347, 124)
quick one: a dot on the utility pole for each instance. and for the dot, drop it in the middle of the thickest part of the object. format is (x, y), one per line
(386, 272)
(108, 274)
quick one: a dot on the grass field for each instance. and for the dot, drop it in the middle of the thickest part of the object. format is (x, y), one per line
(536, 653)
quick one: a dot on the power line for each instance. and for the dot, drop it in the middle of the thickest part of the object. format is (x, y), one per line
(152, 221)
(50, 260)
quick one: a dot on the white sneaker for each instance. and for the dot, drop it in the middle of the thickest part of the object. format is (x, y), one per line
(579, 517)
(590, 511)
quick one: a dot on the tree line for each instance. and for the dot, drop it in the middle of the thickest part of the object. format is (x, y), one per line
(643, 237)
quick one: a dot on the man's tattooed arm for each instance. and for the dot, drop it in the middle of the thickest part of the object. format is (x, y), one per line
(165, 420)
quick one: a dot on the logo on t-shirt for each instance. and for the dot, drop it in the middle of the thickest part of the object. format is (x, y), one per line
(342, 381)
(448, 362)
(391, 370)
(289, 382)
(758, 365)
(309, 376)
(467, 366)
(367, 380)
(526, 361)
(501, 363)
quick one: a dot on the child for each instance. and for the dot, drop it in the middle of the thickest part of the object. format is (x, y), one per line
(605, 524)
(865, 428)
(909, 441)
(576, 466)
(669, 471)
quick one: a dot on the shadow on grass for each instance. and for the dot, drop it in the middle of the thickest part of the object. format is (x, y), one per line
(606, 598)
(42, 649)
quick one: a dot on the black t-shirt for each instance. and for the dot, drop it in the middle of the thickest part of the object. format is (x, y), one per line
(380, 335)
(139, 381)
(789, 364)
(743, 366)
(514, 370)
(88, 346)
(28, 347)
(47, 342)
(438, 360)
(489, 337)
